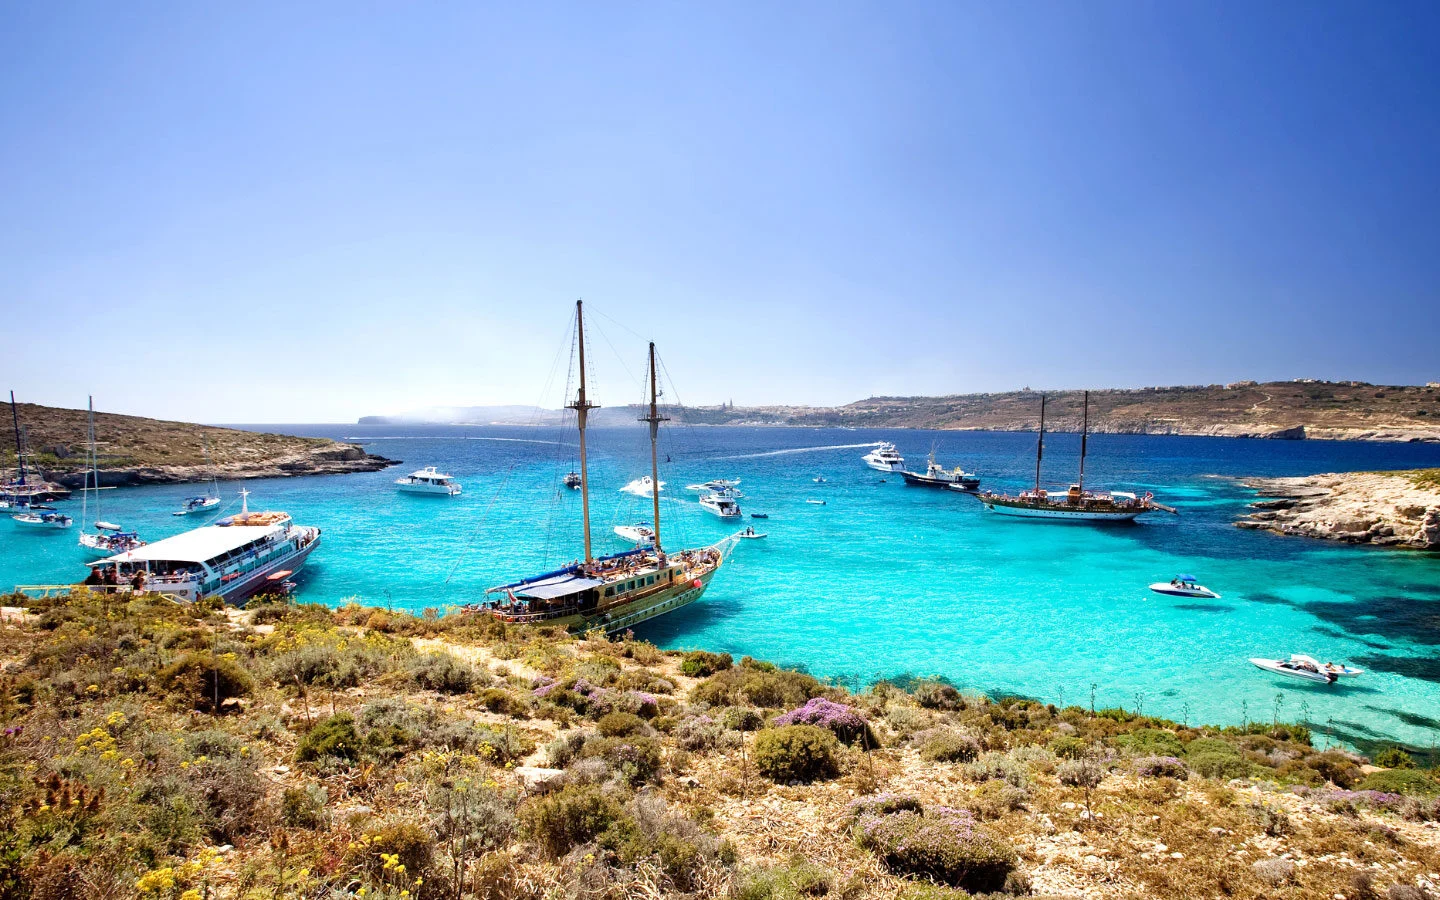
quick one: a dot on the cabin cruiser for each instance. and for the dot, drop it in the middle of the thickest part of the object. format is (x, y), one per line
(43, 517)
(885, 458)
(197, 504)
(721, 503)
(572, 480)
(643, 487)
(641, 534)
(236, 558)
(717, 484)
(1184, 586)
(937, 475)
(1306, 668)
(429, 481)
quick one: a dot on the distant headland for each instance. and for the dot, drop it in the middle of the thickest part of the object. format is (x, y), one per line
(134, 450)
(1287, 410)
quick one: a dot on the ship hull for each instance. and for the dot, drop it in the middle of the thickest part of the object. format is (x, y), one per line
(881, 466)
(627, 616)
(960, 484)
(1061, 514)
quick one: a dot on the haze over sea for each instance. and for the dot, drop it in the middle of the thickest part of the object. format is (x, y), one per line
(890, 581)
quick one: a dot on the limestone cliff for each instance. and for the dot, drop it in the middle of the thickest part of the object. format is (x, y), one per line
(1393, 509)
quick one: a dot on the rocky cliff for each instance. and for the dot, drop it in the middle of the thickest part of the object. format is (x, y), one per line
(1391, 509)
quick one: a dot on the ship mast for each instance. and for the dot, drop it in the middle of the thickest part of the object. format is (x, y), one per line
(655, 419)
(19, 450)
(582, 408)
(1040, 448)
(1084, 433)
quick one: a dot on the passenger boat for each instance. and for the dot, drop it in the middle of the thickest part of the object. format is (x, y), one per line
(1306, 668)
(429, 482)
(233, 559)
(1076, 504)
(640, 534)
(206, 501)
(108, 538)
(885, 458)
(938, 476)
(722, 504)
(643, 487)
(617, 592)
(1184, 586)
(572, 480)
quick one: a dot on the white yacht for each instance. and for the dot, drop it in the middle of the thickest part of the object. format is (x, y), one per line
(1184, 586)
(430, 481)
(641, 534)
(885, 458)
(1306, 668)
(643, 487)
(237, 557)
(716, 484)
(196, 504)
(721, 503)
(46, 517)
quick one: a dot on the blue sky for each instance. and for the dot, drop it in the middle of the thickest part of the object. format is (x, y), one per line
(311, 212)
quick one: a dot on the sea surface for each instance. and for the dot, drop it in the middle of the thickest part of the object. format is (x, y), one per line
(890, 581)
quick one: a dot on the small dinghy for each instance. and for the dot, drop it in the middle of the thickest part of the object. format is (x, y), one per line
(819, 479)
(1184, 586)
(1306, 668)
(759, 515)
(816, 502)
(753, 535)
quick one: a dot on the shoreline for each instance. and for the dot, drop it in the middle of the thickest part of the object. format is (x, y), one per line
(333, 458)
(1386, 509)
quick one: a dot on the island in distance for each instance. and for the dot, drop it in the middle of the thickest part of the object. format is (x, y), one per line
(1289, 410)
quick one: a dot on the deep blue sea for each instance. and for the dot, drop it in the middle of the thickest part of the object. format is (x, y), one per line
(890, 581)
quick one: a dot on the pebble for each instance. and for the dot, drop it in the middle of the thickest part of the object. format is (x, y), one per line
(1177, 855)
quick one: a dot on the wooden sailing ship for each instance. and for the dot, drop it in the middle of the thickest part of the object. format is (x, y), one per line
(615, 592)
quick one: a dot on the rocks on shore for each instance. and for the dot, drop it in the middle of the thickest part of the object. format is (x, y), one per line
(1388, 509)
(334, 458)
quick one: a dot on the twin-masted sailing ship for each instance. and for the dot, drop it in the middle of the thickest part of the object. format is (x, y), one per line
(615, 592)
(1076, 504)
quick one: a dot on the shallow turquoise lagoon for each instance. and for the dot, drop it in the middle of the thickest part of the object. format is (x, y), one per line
(888, 581)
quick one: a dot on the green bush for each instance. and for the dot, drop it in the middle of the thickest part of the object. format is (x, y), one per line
(741, 718)
(1213, 764)
(1153, 742)
(1336, 767)
(303, 807)
(1401, 781)
(334, 738)
(636, 758)
(947, 846)
(757, 684)
(498, 701)
(572, 816)
(799, 880)
(1394, 758)
(442, 672)
(1206, 745)
(700, 664)
(1068, 747)
(620, 724)
(797, 753)
(204, 681)
(947, 746)
(938, 695)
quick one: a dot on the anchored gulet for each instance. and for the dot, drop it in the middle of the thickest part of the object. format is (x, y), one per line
(1076, 504)
(616, 592)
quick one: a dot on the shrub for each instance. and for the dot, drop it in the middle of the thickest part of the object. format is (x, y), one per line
(303, 807)
(798, 880)
(945, 845)
(1068, 747)
(757, 684)
(442, 672)
(1274, 872)
(1161, 767)
(1336, 767)
(994, 799)
(204, 681)
(948, 746)
(1401, 781)
(635, 758)
(938, 695)
(1152, 742)
(498, 701)
(796, 753)
(620, 724)
(567, 818)
(1394, 758)
(1210, 745)
(334, 737)
(1082, 773)
(409, 842)
(698, 733)
(840, 720)
(741, 718)
(998, 766)
(882, 805)
(1220, 765)
(699, 664)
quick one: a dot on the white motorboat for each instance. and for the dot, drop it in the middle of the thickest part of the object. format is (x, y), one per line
(641, 534)
(716, 484)
(1184, 586)
(885, 458)
(643, 487)
(430, 482)
(572, 480)
(819, 479)
(1306, 668)
(816, 502)
(196, 504)
(721, 503)
(751, 534)
(43, 517)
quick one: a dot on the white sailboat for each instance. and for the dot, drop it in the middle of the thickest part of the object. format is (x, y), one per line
(206, 501)
(108, 538)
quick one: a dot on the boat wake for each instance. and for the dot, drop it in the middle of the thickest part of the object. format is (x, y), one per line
(791, 450)
(432, 437)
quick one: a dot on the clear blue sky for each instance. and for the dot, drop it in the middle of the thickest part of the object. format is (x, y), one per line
(314, 211)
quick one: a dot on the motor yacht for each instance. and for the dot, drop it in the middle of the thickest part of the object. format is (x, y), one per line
(430, 482)
(885, 458)
(722, 504)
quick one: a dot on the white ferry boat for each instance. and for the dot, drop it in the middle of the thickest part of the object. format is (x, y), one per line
(721, 503)
(430, 481)
(233, 559)
(885, 458)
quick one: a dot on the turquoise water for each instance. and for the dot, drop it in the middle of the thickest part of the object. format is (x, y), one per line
(891, 581)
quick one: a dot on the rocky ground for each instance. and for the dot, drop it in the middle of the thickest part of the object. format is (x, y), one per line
(1389, 509)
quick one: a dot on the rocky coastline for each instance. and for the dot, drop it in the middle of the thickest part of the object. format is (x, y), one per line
(1387, 509)
(333, 458)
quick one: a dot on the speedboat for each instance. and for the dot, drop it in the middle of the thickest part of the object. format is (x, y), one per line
(43, 517)
(721, 503)
(885, 458)
(572, 480)
(643, 487)
(641, 534)
(1306, 668)
(430, 482)
(715, 484)
(816, 502)
(1184, 586)
(818, 479)
(196, 504)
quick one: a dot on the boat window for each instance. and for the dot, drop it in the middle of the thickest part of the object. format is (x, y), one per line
(609, 592)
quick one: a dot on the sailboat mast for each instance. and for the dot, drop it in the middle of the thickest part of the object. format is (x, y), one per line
(582, 407)
(655, 419)
(90, 471)
(19, 450)
(1040, 447)
(1084, 434)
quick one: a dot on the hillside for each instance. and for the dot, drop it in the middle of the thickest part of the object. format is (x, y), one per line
(136, 450)
(165, 752)
(1285, 409)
